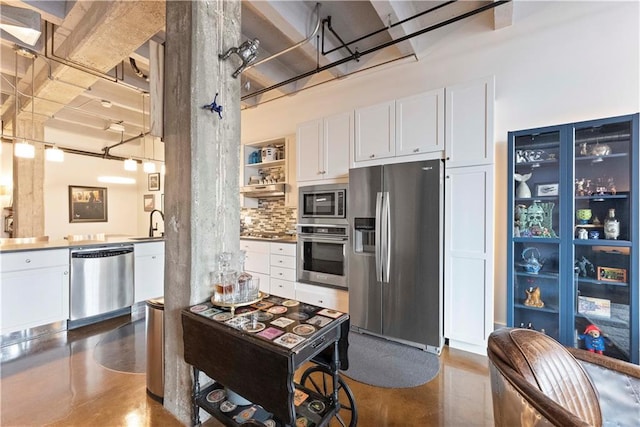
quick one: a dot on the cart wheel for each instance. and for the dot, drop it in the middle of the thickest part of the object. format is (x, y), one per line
(319, 379)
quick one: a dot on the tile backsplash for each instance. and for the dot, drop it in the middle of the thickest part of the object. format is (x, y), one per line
(271, 215)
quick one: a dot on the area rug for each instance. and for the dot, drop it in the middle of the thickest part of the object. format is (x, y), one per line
(383, 363)
(124, 348)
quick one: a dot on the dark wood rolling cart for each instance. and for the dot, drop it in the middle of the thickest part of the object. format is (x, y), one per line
(256, 352)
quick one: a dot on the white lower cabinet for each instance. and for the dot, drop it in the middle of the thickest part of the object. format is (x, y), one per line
(148, 276)
(257, 261)
(283, 269)
(323, 297)
(34, 289)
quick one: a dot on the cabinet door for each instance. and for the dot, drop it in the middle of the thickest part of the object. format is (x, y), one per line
(338, 136)
(606, 208)
(468, 249)
(535, 295)
(420, 123)
(149, 277)
(31, 298)
(310, 151)
(469, 123)
(375, 132)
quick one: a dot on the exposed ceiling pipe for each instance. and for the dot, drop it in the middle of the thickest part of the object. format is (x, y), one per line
(357, 55)
(388, 27)
(136, 70)
(77, 66)
(289, 49)
(107, 149)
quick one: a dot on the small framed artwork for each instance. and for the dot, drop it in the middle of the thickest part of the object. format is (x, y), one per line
(550, 189)
(149, 202)
(87, 204)
(154, 181)
(610, 274)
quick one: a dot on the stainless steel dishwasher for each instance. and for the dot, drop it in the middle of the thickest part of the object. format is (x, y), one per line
(101, 282)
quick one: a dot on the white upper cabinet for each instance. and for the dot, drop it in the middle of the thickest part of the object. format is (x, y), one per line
(323, 148)
(338, 137)
(375, 136)
(310, 159)
(420, 123)
(469, 123)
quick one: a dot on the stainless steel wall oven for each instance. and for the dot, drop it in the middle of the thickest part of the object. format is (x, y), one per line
(322, 254)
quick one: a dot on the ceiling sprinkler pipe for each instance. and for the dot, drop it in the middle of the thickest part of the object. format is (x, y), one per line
(376, 48)
(289, 49)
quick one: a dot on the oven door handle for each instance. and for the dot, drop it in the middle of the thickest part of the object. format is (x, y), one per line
(321, 225)
(322, 239)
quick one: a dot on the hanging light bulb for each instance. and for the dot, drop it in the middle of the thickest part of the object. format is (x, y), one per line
(149, 167)
(24, 150)
(130, 165)
(54, 154)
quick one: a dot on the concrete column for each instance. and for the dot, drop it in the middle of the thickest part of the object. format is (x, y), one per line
(202, 207)
(28, 184)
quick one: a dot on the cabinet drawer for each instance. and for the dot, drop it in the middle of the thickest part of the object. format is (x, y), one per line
(258, 262)
(283, 273)
(27, 260)
(153, 248)
(254, 246)
(283, 288)
(288, 249)
(323, 297)
(283, 261)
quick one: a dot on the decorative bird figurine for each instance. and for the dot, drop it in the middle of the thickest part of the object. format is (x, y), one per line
(213, 107)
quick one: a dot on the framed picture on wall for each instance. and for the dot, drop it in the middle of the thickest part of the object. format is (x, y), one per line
(87, 204)
(154, 181)
(149, 202)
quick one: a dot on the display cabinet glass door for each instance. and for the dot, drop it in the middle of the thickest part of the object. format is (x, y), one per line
(603, 230)
(536, 295)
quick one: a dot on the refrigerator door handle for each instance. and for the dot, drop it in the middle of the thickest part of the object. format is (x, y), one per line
(386, 237)
(378, 237)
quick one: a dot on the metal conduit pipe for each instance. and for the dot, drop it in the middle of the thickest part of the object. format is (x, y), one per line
(133, 138)
(289, 49)
(80, 67)
(376, 48)
(417, 15)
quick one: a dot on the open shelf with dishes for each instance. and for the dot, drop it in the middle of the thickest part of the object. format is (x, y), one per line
(574, 232)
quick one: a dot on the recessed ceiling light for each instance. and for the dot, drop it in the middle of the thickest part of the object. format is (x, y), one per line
(105, 103)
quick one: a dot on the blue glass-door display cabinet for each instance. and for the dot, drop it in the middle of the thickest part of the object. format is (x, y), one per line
(573, 234)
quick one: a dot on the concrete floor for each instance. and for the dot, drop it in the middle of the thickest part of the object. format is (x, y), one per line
(85, 378)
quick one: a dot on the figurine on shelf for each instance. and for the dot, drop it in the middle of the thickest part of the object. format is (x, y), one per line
(593, 340)
(523, 191)
(533, 297)
(584, 268)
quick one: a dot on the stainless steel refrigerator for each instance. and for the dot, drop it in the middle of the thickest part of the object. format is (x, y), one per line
(395, 256)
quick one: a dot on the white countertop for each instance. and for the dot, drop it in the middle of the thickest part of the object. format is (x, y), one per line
(113, 239)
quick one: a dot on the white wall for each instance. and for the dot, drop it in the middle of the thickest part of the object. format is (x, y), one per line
(123, 201)
(126, 213)
(559, 62)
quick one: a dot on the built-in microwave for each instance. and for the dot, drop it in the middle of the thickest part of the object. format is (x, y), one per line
(326, 201)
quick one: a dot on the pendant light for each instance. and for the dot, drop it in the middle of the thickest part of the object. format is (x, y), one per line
(129, 164)
(54, 154)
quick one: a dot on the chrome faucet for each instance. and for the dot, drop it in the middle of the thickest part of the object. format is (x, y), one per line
(151, 227)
